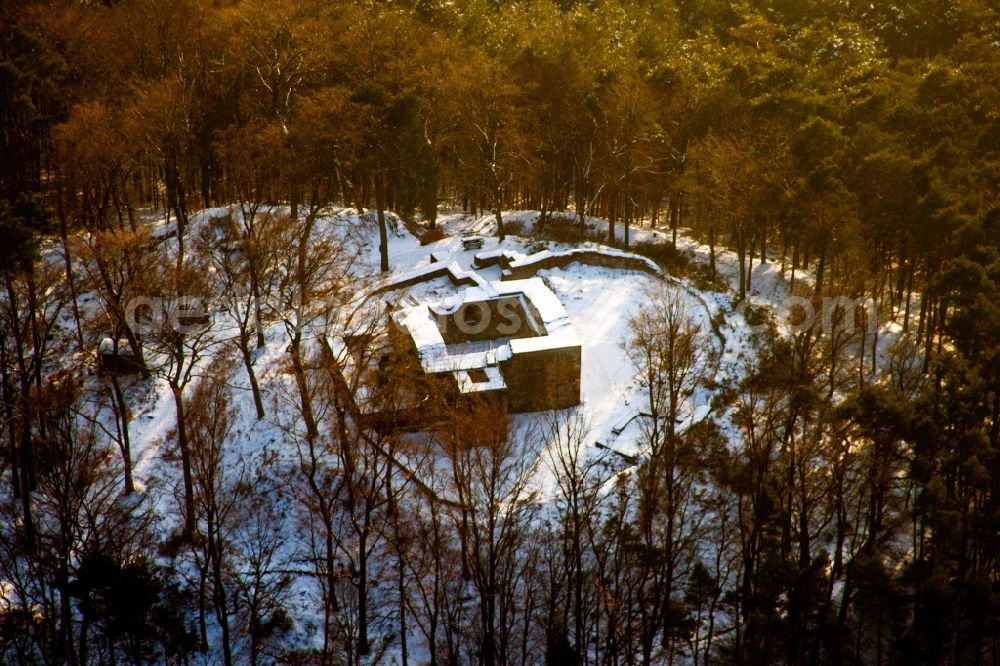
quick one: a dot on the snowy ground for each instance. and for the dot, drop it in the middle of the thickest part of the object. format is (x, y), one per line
(599, 301)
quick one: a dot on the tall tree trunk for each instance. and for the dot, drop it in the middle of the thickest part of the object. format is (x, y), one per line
(383, 236)
(305, 403)
(219, 592)
(258, 401)
(364, 644)
(400, 568)
(24, 377)
(498, 210)
(176, 200)
(27, 471)
(741, 258)
(258, 315)
(820, 268)
(8, 404)
(122, 418)
(711, 252)
(185, 452)
(675, 214)
(612, 209)
(70, 278)
(909, 297)
(544, 211)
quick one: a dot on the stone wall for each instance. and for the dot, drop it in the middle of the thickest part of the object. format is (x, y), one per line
(457, 276)
(546, 379)
(527, 267)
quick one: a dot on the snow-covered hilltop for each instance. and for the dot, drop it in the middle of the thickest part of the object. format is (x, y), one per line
(252, 353)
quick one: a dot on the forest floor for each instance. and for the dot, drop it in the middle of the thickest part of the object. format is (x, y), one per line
(599, 302)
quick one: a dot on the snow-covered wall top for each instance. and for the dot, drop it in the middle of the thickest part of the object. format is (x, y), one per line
(608, 257)
(420, 321)
(452, 271)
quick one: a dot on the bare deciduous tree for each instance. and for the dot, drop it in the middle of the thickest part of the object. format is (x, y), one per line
(493, 470)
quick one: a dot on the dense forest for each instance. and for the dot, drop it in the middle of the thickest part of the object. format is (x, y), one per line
(845, 516)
